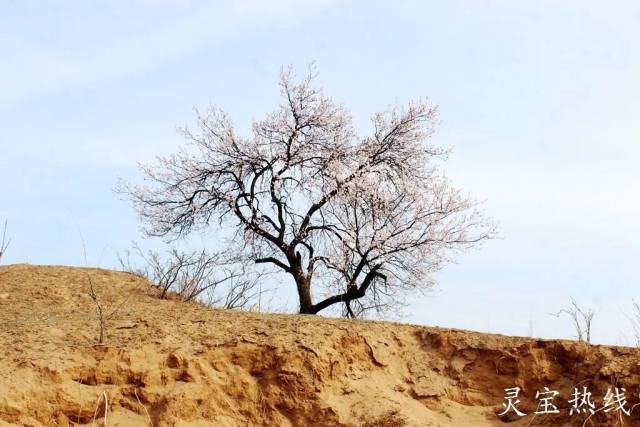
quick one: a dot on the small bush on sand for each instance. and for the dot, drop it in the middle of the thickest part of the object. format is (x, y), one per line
(218, 280)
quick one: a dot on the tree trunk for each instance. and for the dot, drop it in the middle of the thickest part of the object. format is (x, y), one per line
(303, 282)
(304, 295)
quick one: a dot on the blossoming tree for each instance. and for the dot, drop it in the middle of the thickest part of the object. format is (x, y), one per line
(355, 222)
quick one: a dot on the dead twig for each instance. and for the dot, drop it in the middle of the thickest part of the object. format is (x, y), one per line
(4, 243)
(106, 406)
(135, 392)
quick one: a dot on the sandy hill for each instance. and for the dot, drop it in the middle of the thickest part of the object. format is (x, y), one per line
(169, 363)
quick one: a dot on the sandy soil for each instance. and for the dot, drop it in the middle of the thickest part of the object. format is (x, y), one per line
(167, 363)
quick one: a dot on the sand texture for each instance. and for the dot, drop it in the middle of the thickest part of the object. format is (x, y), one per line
(168, 363)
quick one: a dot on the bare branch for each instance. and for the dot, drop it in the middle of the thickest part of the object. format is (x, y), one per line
(581, 319)
(221, 279)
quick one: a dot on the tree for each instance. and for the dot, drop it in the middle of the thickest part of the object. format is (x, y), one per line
(356, 220)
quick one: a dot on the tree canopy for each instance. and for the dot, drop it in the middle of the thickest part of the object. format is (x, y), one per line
(354, 221)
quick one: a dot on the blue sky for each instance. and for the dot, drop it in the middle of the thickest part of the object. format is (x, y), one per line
(540, 101)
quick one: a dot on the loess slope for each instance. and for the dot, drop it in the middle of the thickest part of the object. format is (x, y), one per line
(168, 363)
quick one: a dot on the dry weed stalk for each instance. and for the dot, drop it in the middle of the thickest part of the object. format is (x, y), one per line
(103, 313)
(635, 322)
(135, 392)
(4, 243)
(106, 407)
(100, 310)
